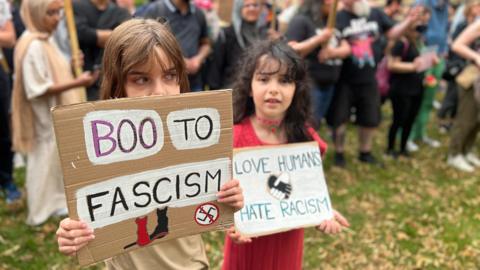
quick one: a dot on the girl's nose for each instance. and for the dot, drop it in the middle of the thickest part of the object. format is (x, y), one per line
(273, 88)
(158, 89)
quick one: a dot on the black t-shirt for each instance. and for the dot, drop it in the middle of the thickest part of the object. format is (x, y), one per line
(410, 83)
(301, 28)
(88, 20)
(189, 29)
(361, 33)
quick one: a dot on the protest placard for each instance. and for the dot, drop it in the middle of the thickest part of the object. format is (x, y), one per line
(427, 58)
(145, 170)
(284, 188)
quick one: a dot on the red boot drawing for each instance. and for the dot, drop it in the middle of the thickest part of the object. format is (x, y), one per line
(161, 230)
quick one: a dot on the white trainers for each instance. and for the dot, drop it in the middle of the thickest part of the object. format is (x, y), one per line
(459, 162)
(473, 159)
(411, 146)
(431, 142)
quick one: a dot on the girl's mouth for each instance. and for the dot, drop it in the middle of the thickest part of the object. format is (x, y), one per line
(272, 101)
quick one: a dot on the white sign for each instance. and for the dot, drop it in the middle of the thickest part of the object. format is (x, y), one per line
(206, 214)
(284, 188)
(195, 128)
(119, 135)
(131, 196)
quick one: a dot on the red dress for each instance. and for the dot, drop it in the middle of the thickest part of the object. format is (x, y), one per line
(277, 251)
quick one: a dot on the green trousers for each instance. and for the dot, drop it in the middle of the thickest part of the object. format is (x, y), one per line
(466, 125)
(420, 126)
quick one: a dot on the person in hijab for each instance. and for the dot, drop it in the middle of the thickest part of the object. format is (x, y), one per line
(43, 80)
(245, 30)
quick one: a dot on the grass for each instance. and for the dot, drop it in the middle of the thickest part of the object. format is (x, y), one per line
(414, 214)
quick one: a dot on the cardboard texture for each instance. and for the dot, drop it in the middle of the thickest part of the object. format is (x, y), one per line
(284, 188)
(145, 170)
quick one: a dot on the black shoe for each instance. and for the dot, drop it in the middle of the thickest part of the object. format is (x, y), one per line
(339, 160)
(367, 157)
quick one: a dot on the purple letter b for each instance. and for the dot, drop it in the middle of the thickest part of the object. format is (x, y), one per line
(96, 138)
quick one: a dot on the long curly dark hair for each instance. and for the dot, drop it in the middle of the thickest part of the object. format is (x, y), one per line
(299, 114)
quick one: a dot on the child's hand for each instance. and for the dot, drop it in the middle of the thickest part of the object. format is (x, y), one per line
(236, 237)
(72, 235)
(334, 225)
(231, 193)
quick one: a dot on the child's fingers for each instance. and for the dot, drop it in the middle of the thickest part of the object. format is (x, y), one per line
(68, 250)
(341, 219)
(233, 191)
(230, 184)
(70, 224)
(322, 226)
(235, 201)
(73, 234)
(75, 242)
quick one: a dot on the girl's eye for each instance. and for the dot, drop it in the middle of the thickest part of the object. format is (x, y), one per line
(263, 78)
(170, 76)
(285, 80)
(141, 80)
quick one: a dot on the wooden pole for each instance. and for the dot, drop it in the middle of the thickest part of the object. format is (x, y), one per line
(274, 15)
(332, 15)
(75, 48)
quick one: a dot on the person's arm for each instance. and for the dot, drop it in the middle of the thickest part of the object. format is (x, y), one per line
(7, 35)
(461, 44)
(341, 52)
(309, 45)
(395, 63)
(204, 50)
(85, 79)
(300, 38)
(37, 76)
(397, 30)
(102, 37)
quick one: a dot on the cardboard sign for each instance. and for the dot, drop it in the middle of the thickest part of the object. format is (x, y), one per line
(427, 58)
(283, 186)
(145, 170)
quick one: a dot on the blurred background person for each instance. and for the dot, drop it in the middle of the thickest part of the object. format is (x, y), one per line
(189, 26)
(323, 49)
(7, 40)
(43, 79)
(467, 121)
(95, 20)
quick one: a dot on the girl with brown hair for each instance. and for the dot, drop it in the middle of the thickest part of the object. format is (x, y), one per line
(142, 58)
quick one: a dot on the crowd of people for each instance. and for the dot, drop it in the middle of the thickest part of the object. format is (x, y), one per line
(293, 69)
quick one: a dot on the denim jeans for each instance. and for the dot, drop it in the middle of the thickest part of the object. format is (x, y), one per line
(322, 96)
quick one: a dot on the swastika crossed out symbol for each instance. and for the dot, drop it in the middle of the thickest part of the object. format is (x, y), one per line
(207, 214)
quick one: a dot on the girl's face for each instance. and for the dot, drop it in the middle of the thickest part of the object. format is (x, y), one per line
(53, 15)
(272, 91)
(251, 10)
(150, 79)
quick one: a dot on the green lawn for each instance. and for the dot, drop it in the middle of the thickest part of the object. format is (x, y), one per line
(414, 214)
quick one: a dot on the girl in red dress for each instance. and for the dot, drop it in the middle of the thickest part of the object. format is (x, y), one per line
(272, 106)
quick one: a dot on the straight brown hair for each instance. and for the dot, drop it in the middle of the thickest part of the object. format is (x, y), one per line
(133, 43)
